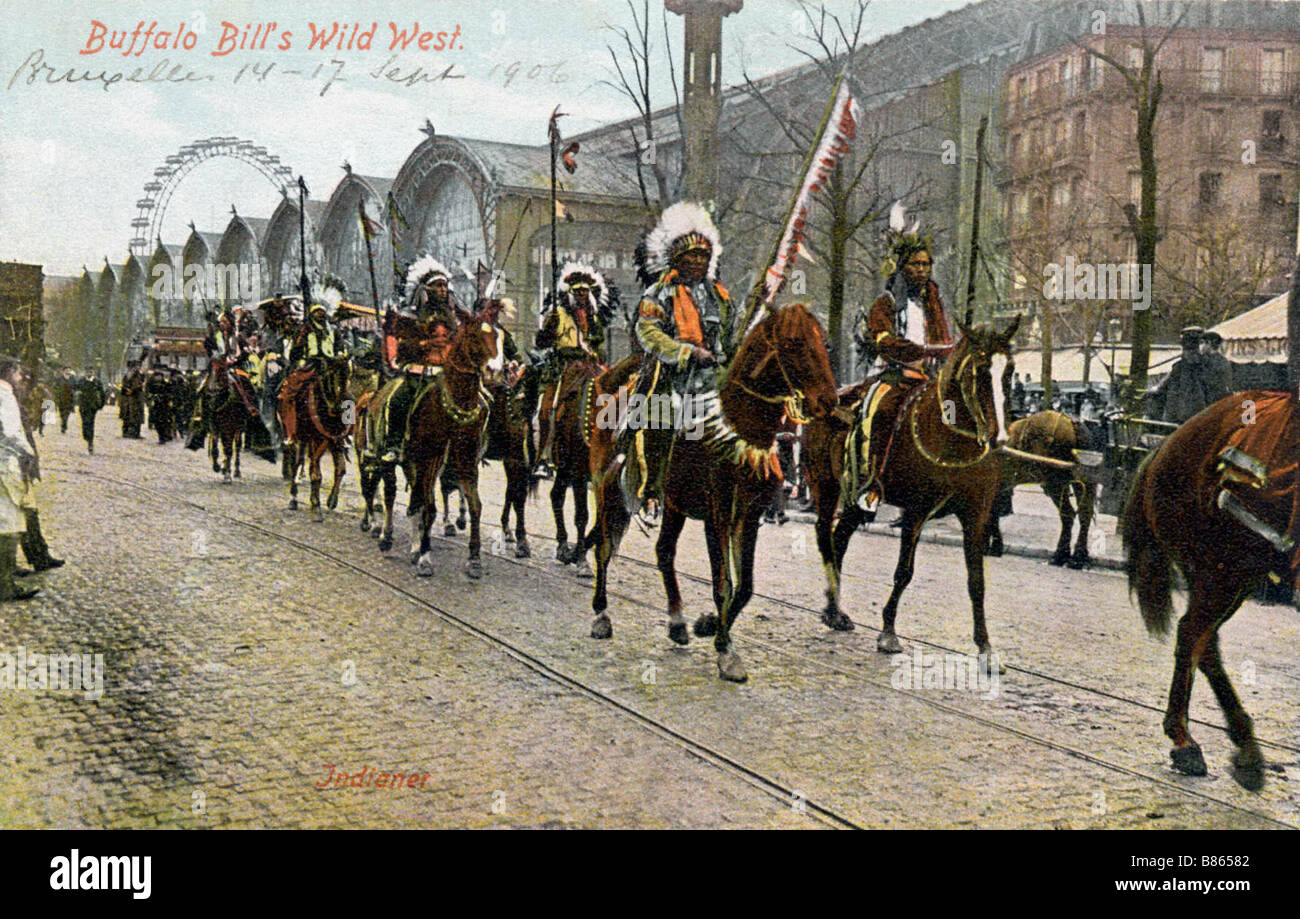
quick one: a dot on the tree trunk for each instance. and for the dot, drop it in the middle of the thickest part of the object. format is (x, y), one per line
(1045, 326)
(1148, 103)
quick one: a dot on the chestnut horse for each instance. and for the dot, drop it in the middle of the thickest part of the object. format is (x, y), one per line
(324, 425)
(1055, 436)
(509, 439)
(446, 425)
(1219, 498)
(723, 470)
(941, 460)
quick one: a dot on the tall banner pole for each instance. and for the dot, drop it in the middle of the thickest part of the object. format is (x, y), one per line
(975, 220)
(303, 284)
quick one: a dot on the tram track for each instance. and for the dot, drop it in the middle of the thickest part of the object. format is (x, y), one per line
(700, 750)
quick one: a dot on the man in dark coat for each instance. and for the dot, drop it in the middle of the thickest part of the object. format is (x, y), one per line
(90, 399)
(1217, 369)
(1183, 391)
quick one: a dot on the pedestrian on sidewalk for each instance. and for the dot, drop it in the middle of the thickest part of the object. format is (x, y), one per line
(90, 399)
(18, 467)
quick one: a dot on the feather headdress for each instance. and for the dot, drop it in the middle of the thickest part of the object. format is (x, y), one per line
(605, 294)
(421, 269)
(681, 227)
(901, 244)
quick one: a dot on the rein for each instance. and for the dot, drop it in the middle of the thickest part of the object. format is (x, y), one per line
(792, 401)
(939, 386)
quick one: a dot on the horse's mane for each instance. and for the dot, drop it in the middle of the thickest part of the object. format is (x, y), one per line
(790, 320)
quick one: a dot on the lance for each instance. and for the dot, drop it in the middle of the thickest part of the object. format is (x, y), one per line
(975, 220)
(303, 284)
(370, 264)
(394, 218)
(554, 132)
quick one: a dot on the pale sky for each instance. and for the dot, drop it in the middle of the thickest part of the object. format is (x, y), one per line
(74, 156)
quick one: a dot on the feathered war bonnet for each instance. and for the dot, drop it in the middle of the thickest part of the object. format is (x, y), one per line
(326, 296)
(575, 274)
(900, 244)
(423, 270)
(682, 227)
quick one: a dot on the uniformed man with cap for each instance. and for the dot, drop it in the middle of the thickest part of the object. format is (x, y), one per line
(1183, 391)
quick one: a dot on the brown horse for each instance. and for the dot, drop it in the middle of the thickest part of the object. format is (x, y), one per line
(574, 397)
(941, 461)
(446, 425)
(722, 470)
(230, 418)
(509, 436)
(324, 425)
(1056, 437)
(1220, 499)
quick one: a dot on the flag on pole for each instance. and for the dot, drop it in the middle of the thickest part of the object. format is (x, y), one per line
(837, 132)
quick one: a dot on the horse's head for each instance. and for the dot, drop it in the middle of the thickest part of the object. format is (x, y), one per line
(475, 344)
(785, 356)
(966, 382)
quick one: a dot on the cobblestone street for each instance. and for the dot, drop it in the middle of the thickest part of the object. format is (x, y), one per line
(250, 652)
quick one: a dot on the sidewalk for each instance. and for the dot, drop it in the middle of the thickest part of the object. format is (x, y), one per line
(1031, 531)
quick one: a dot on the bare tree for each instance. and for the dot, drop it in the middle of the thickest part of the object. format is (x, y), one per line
(633, 73)
(1146, 89)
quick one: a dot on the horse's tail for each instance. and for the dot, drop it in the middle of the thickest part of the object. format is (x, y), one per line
(1147, 562)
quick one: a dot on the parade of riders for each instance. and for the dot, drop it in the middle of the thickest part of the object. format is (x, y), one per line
(306, 354)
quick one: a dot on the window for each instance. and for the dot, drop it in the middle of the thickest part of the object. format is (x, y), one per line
(1081, 133)
(1135, 187)
(1022, 205)
(1060, 197)
(1271, 199)
(1212, 128)
(1135, 57)
(1271, 81)
(1211, 70)
(1013, 151)
(1065, 73)
(1059, 138)
(1271, 139)
(1022, 91)
(1211, 183)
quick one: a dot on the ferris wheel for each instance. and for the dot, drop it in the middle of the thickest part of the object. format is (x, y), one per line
(146, 228)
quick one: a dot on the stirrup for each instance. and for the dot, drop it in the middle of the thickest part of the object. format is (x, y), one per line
(649, 513)
(390, 456)
(868, 501)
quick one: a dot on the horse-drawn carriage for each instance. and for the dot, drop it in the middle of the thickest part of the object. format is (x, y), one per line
(1128, 441)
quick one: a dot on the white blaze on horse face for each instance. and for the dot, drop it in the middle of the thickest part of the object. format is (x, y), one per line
(498, 363)
(996, 368)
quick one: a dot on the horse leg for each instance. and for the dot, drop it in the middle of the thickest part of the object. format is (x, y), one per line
(707, 624)
(1086, 494)
(611, 522)
(1059, 492)
(340, 460)
(887, 642)
(579, 556)
(389, 474)
(1208, 605)
(558, 489)
(665, 556)
(740, 568)
(832, 544)
(213, 448)
(973, 541)
(367, 493)
(520, 498)
(292, 458)
(1248, 761)
(239, 443)
(317, 453)
(428, 517)
(469, 488)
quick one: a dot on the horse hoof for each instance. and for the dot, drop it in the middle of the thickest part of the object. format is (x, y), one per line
(365, 526)
(584, 571)
(474, 569)
(237, 475)
(987, 659)
(332, 502)
(888, 643)
(706, 626)
(460, 523)
(562, 553)
(1188, 760)
(1079, 562)
(317, 515)
(522, 550)
(508, 538)
(449, 530)
(1059, 559)
(424, 567)
(602, 628)
(293, 504)
(385, 542)
(1248, 770)
(678, 632)
(995, 550)
(731, 667)
(837, 620)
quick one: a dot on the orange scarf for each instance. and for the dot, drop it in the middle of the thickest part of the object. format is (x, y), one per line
(686, 315)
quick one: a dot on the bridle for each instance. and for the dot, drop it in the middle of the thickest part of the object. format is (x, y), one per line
(794, 401)
(967, 382)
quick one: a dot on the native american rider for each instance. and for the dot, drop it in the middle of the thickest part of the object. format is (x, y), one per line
(906, 328)
(684, 327)
(572, 330)
(416, 343)
(225, 347)
(306, 353)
